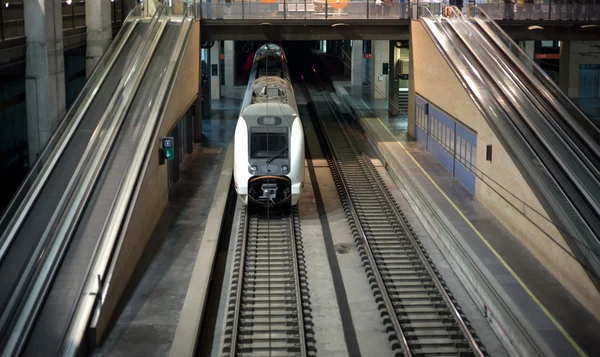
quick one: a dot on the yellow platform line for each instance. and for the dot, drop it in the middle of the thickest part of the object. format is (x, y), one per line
(512, 272)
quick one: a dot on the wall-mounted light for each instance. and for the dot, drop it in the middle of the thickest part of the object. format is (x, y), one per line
(535, 27)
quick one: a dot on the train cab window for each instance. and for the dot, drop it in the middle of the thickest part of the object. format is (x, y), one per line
(265, 145)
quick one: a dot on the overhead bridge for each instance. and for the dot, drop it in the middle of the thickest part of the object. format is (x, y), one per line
(74, 232)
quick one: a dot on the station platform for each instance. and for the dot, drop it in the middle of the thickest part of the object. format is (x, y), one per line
(511, 288)
(152, 307)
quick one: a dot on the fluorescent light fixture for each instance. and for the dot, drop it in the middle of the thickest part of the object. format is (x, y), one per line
(535, 27)
(339, 24)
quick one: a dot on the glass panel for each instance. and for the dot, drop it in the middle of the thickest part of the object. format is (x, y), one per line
(265, 145)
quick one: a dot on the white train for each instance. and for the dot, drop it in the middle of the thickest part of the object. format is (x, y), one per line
(269, 139)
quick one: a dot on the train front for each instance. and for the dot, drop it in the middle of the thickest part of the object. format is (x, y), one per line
(269, 159)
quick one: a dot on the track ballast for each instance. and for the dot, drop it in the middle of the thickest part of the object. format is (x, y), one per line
(268, 310)
(418, 310)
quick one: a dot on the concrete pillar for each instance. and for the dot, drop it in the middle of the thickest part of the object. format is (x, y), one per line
(574, 55)
(347, 58)
(393, 80)
(99, 32)
(411, 94)
(380, 53)
(357, 63)
(229, 69)
(215, 79)
(45, 71)
(149, 8)
(529, 48)
(564, 66)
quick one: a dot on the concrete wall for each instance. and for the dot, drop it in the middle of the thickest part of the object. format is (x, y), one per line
(434, 80)
(154, 197)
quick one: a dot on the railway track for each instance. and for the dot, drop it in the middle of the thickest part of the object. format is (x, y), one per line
(268, 310)
(418, 310)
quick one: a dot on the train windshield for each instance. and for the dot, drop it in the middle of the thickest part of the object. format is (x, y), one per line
(267, 145)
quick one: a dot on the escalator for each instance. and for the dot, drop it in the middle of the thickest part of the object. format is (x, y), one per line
(554, 145)
(59, 230)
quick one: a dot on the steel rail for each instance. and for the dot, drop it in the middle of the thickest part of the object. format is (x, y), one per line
(239, 286)
(298, 284)
(471, 340)
(260, 254)
(382, 290)
(374, 265)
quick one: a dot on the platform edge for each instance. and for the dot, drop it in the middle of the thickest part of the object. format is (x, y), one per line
(190, 320)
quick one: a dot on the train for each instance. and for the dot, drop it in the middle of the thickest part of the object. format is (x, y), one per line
(269, 137)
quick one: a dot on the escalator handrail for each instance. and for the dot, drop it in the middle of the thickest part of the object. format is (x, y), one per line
(591, 147)
(112, 234)
(547, 83)
(550, 184)
(581, 172)
(26, 302)
(23, 200)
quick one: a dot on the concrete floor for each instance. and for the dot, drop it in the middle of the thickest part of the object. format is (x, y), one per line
(146, 326)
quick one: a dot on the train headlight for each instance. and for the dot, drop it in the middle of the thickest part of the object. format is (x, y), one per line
(284, 168)
(253, 169)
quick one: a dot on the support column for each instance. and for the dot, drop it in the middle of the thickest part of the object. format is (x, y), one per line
(393, 80)
(229, 63)
(99, 32)
(347, 58)
(564, 66)
(357, 63)
(149, 8)
(529, 48)
(45, 71)
(380, 53)
(214, 70)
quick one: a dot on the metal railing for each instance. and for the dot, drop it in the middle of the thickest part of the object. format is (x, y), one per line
(306, 9)
(581, 10)
(575, 10)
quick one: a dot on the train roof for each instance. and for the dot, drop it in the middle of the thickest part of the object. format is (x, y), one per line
(270, 88)
(269, 108)
(270, 49)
